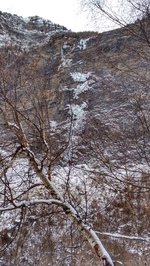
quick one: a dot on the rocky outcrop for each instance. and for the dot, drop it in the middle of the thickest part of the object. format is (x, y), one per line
(26, 32)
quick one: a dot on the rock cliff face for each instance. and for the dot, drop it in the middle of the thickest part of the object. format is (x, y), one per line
(26, 32)
(95, 87)
(97, 79)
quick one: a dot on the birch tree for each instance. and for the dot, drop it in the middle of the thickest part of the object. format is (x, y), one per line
(29, 148)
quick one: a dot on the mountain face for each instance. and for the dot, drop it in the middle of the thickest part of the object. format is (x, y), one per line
(26, 32)
(94, 89)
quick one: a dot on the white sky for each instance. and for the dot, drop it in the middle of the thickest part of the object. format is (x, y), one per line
(63, 12)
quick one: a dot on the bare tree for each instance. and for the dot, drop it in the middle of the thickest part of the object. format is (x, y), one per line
(30, 148)
(33, 149)
(108, 14)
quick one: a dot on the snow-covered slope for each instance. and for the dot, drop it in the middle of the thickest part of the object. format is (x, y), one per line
(26, 31)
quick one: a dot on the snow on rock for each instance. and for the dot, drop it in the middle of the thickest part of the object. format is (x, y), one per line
(38, 21)
(4, 38)
(80, 77)
(53, 125)
(80, 88)
(65, 63)
(65, 46)
(27, 32)
(82, 44)
(78, 113)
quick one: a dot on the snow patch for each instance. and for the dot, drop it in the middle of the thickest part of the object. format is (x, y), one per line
(80, 77)
(53, 125)
(66, 62)
(65, 46)
(79, 89)
(82, 44)
(78, 113)
(4, 39)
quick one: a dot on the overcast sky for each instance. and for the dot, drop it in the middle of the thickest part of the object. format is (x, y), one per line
(63, 12)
